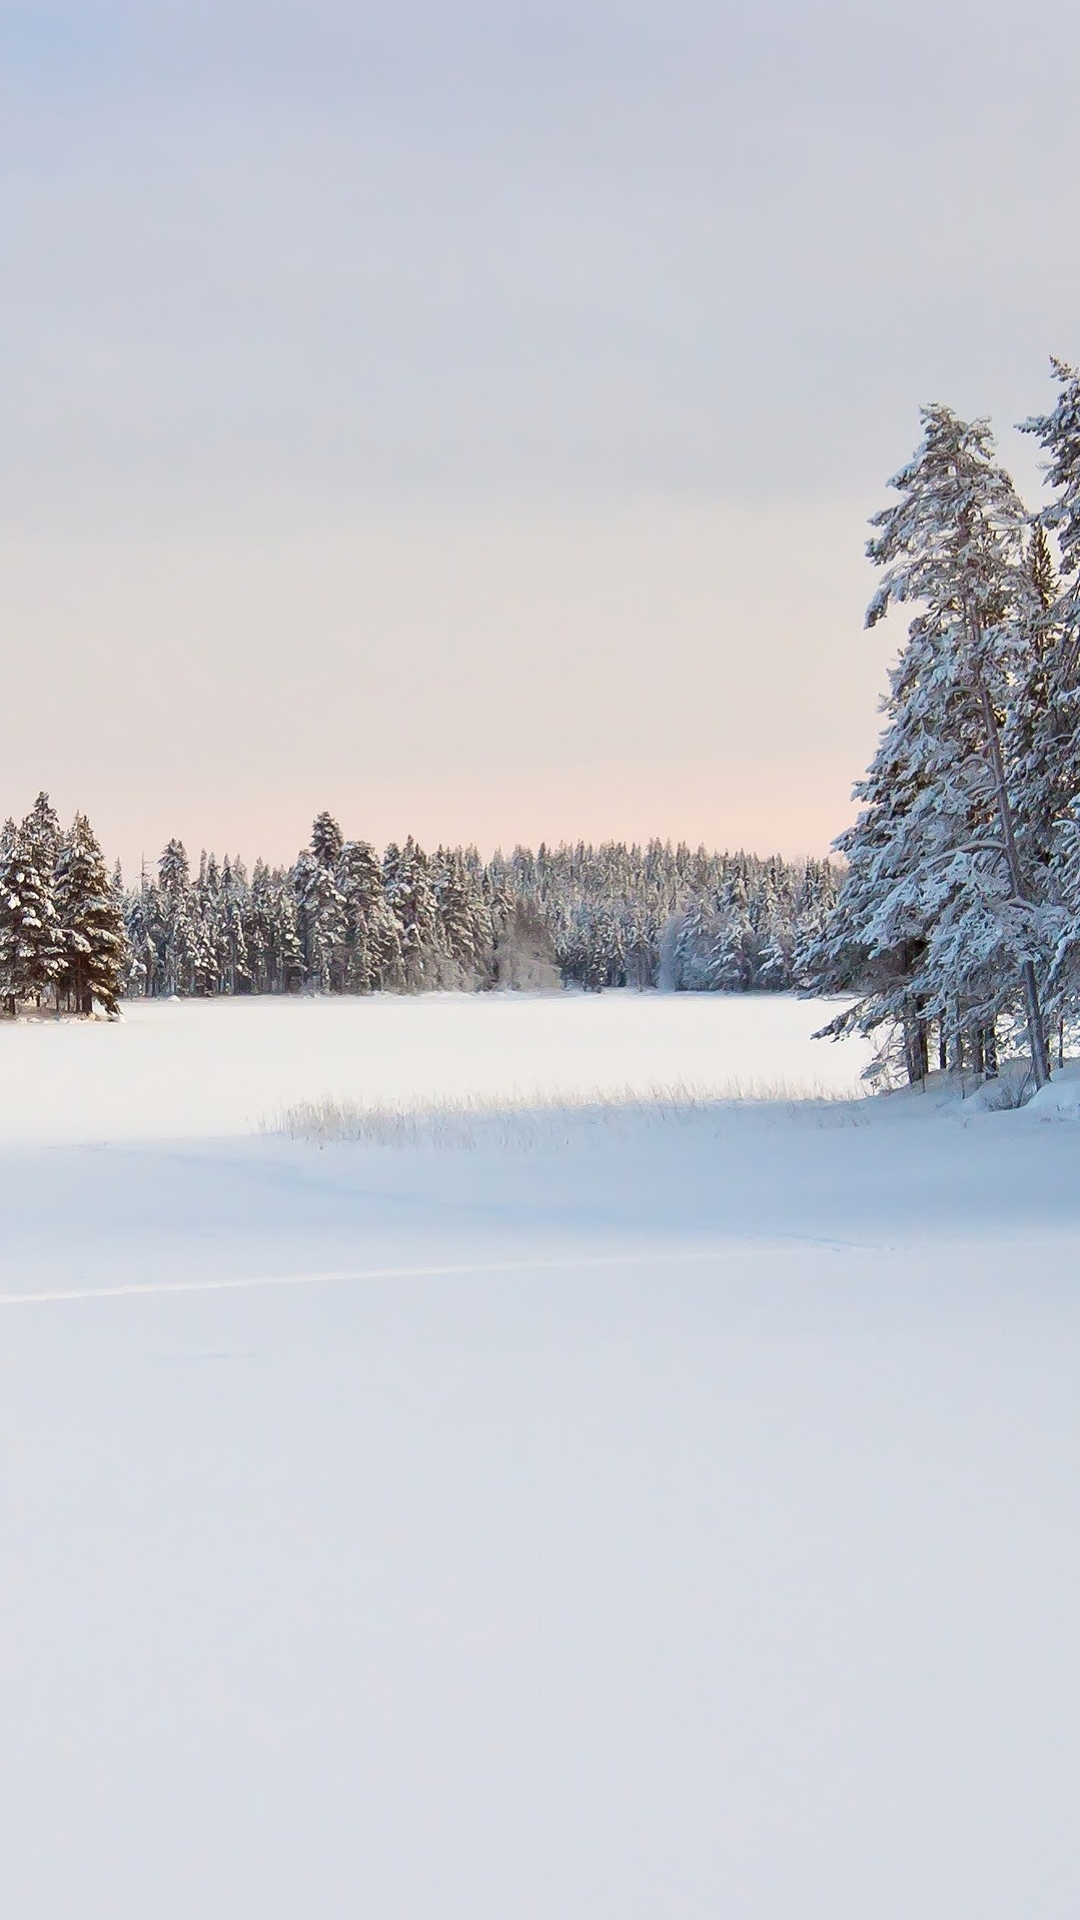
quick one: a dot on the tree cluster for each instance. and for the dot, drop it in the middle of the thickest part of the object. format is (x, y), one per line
(62, 941)
(342, 919)
(957, 927)
(668, 916)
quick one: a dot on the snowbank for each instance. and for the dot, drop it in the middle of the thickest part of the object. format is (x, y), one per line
(1061, 1099)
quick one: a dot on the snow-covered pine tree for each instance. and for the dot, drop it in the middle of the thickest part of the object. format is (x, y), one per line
(1040, 726)
(410, 898)
(640, 945)
(1048, 723)
(730, 961)
(276, 952)
(465, 933)
(92, 938)
(326, 840)
(41, 831)
(873, 941)
(372, 937)
(235, 925)
(265, 972)
(936, 917)
(812, 908)
(140, 917)
(694, 934)
(321, 908)
(31, 955)
(179, 937)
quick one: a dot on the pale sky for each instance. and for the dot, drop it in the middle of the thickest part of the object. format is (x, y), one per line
(465, 415)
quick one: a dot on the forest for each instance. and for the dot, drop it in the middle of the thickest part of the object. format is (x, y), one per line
(345, 919)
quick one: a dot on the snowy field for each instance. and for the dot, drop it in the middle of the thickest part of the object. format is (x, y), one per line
(628, 1511)
(183, 1069)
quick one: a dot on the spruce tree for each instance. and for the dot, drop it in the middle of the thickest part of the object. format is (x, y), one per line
(412, 902)
(142, 957)
(182, 948)
(1050, 726)
(41, 829)
(731, 955)
(31, 954)
(92, 937)
(464, 923)
(372, 937)
(937, 918)
(321, 921)
(326, 840)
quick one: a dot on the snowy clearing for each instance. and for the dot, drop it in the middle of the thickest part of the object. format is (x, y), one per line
(622, 1512)
(191, 1068)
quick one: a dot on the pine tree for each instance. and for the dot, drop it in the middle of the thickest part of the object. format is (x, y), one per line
(92, 937)
(1049, 721)
(326, 840)
(936, 917)
(41, 829)
(321, 908)
(412, 902)
(142, 958)
(182, 953)
(730, 962)
(31, 954)
(692, 955)
(465, 931)
(373, 959)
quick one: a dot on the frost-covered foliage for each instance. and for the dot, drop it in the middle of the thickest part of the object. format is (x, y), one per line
(950, 923)
(344, 920)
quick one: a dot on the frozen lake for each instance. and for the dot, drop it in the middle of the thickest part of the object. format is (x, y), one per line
(190, 1068)
(626, 1513)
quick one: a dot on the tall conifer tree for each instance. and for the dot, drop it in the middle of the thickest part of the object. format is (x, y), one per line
(937, 917)
(31, 954)
(92, 935)
(1051, 729)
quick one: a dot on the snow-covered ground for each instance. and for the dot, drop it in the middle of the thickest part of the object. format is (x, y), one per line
(624, 1511)
(175, 1069)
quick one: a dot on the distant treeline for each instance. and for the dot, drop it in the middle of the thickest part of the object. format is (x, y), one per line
(344, 919)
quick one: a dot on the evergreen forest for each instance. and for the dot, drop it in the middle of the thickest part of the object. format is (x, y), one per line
(345, 919)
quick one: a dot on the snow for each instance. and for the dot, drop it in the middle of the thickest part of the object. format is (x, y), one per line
(1060, 1100)
(182, 1068)
(626, 1511)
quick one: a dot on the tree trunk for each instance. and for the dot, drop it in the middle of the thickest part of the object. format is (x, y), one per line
(990, 1052)
(918, 1050)
(1040, 1058)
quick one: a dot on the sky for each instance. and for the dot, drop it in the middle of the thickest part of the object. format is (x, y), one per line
(465, 416)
